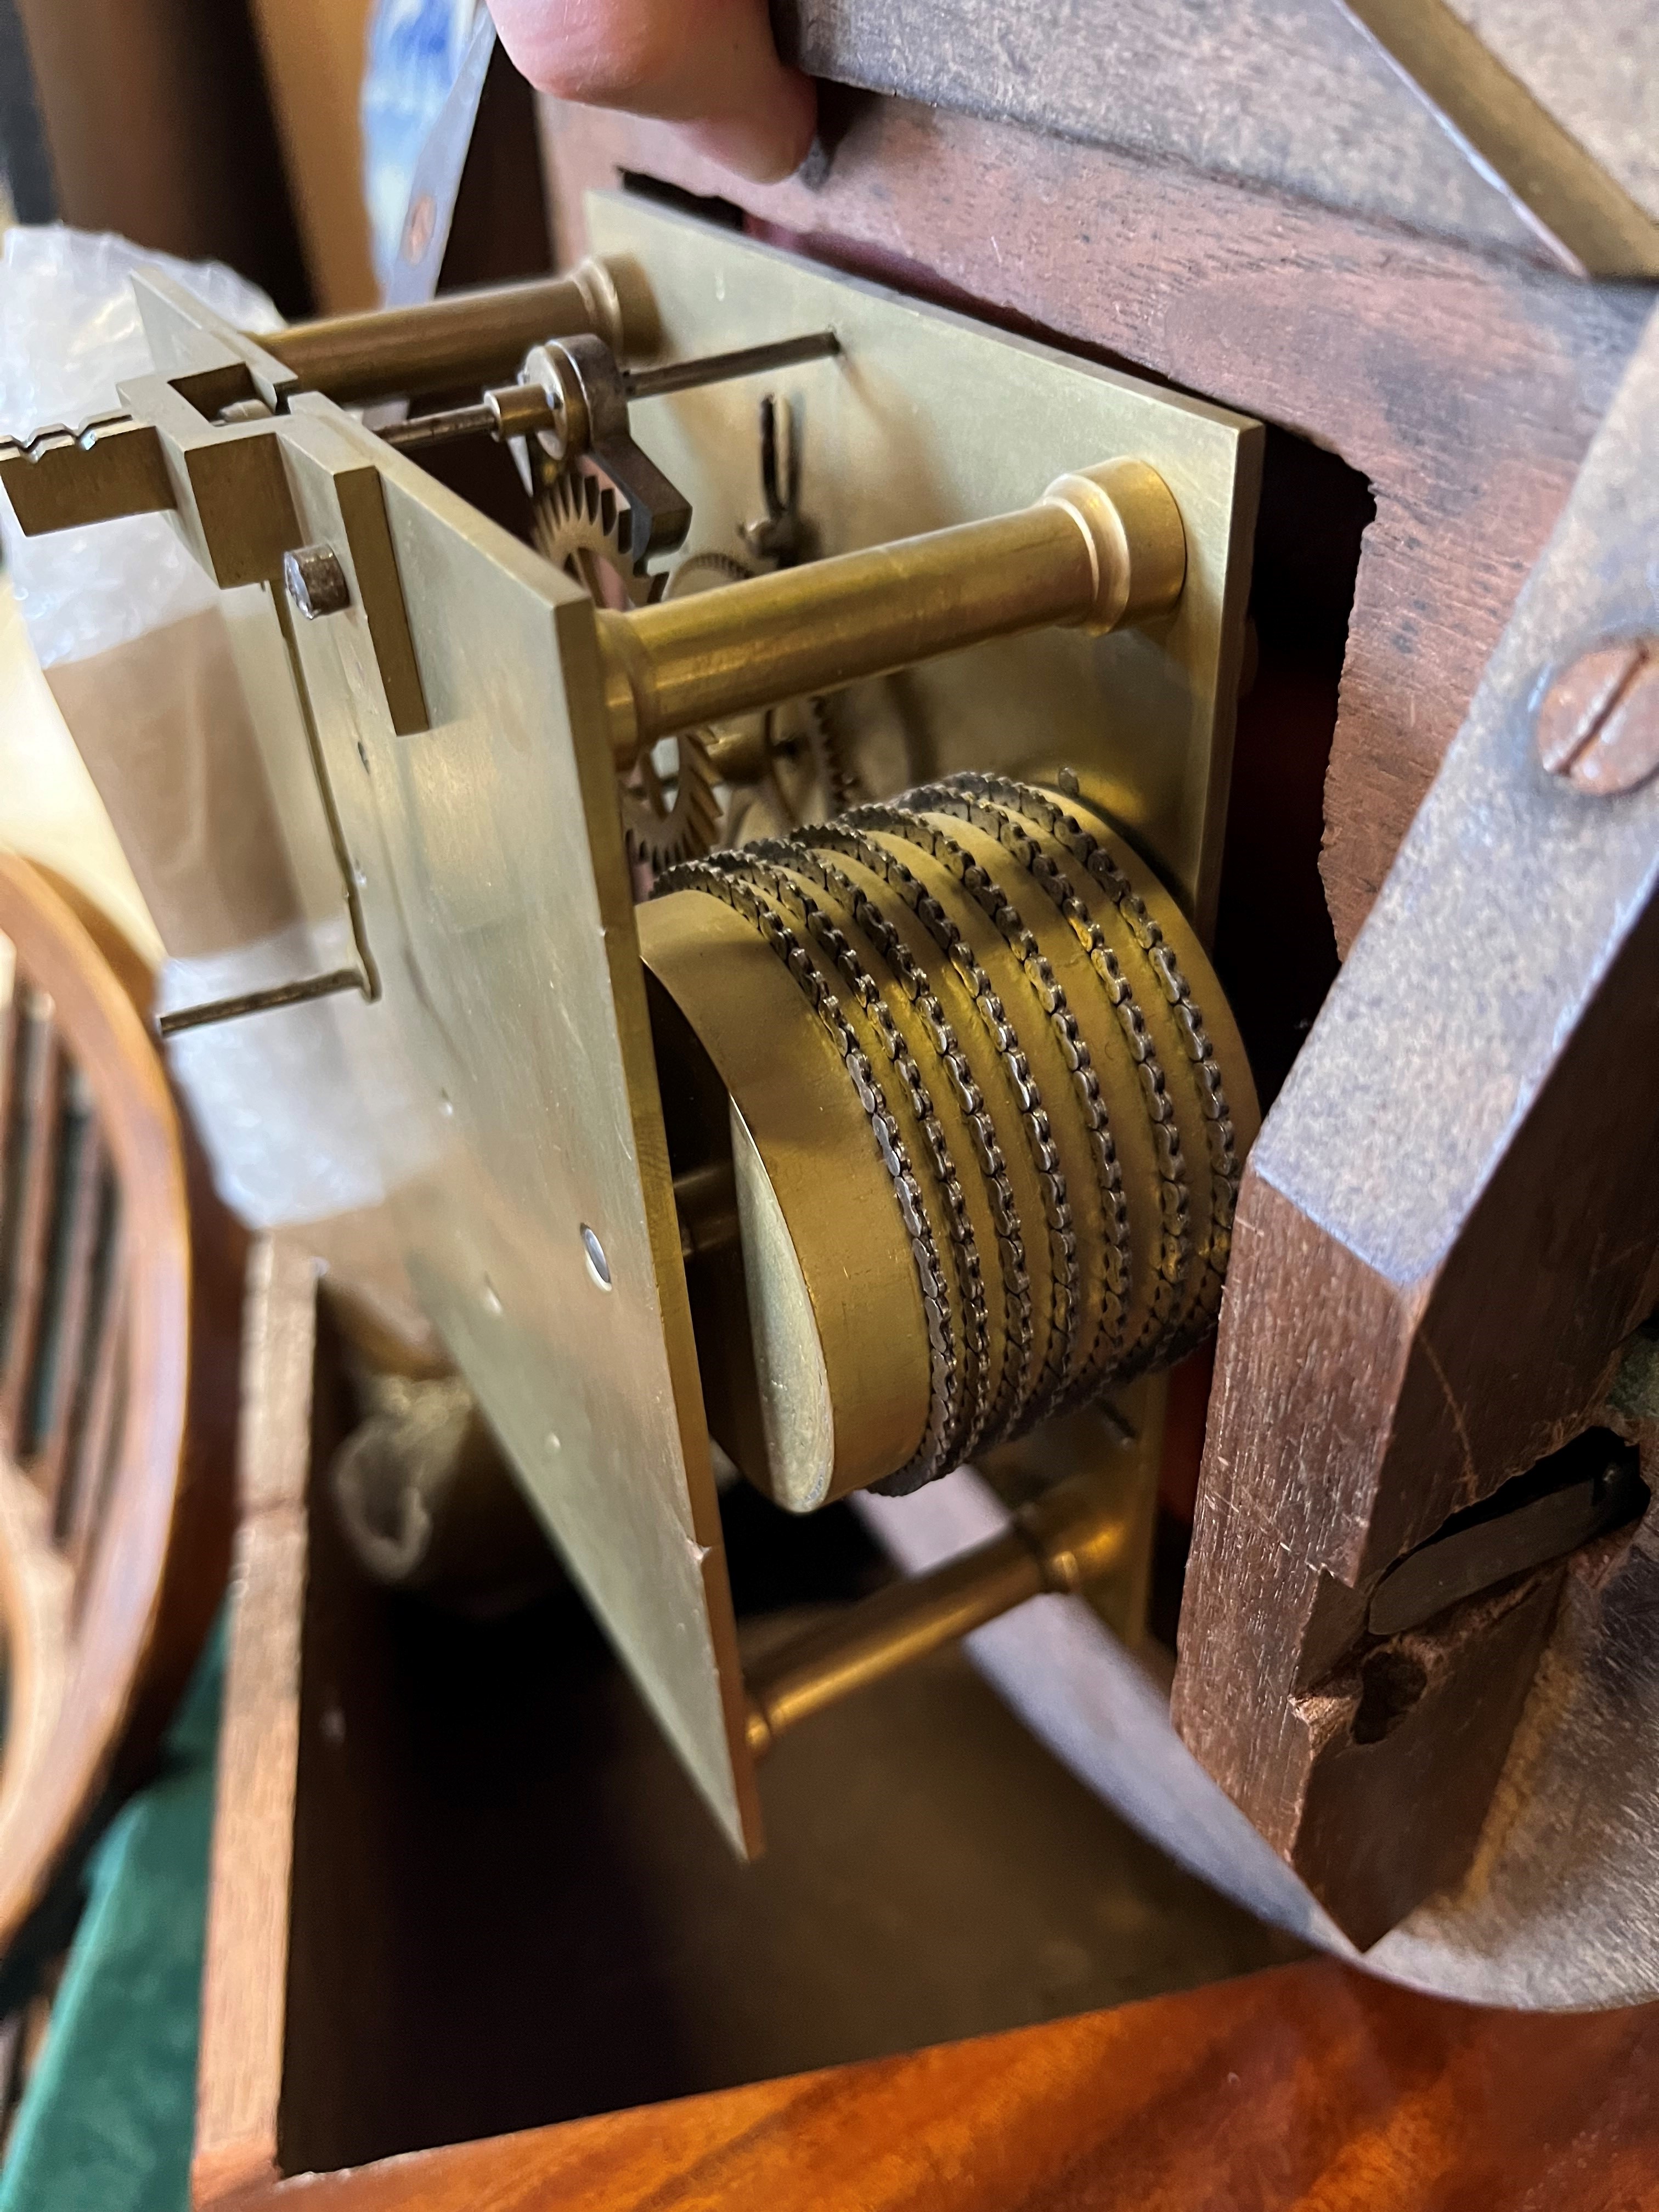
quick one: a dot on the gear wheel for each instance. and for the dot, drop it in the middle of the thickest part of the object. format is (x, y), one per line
(700, 570)
(670, 808)
(581, 526)
(665, 825)
(809, 777)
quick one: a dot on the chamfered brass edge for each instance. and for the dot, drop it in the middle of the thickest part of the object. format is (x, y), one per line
(571, 614)
(681, 935)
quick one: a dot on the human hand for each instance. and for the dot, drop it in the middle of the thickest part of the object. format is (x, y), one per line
(707, 66)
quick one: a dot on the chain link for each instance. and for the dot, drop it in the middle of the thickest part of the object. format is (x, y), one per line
(817, 899)
(956, 796)
(1220, 1135)
(992, 1422)
(760, 867)
(1059, 1367)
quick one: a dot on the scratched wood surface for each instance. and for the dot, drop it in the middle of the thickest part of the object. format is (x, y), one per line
(1465, 389)
(1307, 2086)
(1263, 92)
(1272, 91)
(241, 2052)
(1446, 1236)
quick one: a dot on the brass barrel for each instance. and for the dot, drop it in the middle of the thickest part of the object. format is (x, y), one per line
(1101, 548)
(983, 1109)
(464, 339)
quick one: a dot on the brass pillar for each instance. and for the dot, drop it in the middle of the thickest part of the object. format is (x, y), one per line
(463, 339)
(1058, 1544)
(1101, 548)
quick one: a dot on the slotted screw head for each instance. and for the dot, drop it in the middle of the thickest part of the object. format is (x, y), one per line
(1598, 724)
(315, 582)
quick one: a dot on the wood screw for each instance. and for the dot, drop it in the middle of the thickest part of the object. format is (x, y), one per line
(1598, 724)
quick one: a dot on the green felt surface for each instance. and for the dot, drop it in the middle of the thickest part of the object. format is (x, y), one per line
(105, 2123)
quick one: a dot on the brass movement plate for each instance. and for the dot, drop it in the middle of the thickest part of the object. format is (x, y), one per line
(928, 419)
(506, 1070)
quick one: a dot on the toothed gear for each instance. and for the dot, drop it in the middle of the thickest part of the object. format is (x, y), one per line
(662, 830)
(699, 570)
(581, 525)
(810, 777)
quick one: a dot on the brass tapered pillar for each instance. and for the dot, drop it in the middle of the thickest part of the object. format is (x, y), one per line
(1101, 548)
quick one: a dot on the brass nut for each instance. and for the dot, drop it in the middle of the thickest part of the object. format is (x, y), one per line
(315, 582)
(1599, 725)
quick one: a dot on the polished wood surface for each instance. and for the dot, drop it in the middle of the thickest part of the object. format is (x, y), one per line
(459, 1885)
(1311, 2086)
(119, 1326)
(1305, 2087)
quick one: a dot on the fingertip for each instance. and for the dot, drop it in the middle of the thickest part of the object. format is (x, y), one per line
(801, 121)
(764, 144)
